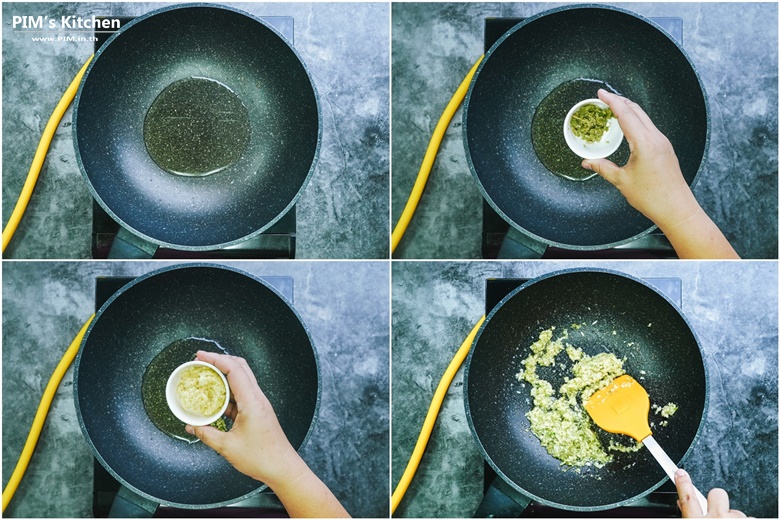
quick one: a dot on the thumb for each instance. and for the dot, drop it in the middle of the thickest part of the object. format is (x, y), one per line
(603, 167)
(211, 437)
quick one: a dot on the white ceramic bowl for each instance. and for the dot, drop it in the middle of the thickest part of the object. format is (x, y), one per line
(609, 142)
(173, 398)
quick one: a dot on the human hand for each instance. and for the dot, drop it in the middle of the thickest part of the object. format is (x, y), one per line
(256, 444)
(717, 500)
(651, 181)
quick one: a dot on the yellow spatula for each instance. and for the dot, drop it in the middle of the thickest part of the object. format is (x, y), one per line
(623, 407)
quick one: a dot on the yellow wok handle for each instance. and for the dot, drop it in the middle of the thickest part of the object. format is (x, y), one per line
(40, 156)
(430, 418)
(430, 156)
(40, 415)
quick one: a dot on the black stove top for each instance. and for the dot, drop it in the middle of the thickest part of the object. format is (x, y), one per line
(105, 486)
(494, 228)
(278, 241)
(661, 503)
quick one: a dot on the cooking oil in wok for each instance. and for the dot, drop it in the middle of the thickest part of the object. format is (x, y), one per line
(156, 376)
(547, 129)
(196, 126)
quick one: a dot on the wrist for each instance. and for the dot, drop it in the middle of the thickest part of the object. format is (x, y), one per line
(681, 207)
(289, 469)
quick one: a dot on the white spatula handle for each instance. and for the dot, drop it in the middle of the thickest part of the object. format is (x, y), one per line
(670, 467)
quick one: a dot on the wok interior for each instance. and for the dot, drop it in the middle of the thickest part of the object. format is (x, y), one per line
(664, 347)
(242, 315)
(221, 45)
(637, 59)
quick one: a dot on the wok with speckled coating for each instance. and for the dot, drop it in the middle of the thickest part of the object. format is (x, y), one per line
(240, 312)
(630, 53)
(228, 47)
(649, 331)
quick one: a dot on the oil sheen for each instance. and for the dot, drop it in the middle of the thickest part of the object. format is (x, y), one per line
(196, 127)
(547, 129)
(156, 377)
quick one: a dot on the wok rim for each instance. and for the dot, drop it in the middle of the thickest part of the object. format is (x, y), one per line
(111, 213)
(489, 53)
(500, 474)
(77, 364)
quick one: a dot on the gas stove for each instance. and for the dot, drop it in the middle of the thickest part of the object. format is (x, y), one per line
(661, 503)
(105, 486)
(494, 228)
(278, 241)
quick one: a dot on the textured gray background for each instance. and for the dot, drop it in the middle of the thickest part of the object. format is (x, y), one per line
(732, 306)
(345, 306)
(733, 46)
(343, 213)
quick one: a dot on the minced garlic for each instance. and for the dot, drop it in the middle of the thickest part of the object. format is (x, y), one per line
(668, 410)
(614, 446)
(591, 122)
(665, 411)
(201, 391)
(561, 424)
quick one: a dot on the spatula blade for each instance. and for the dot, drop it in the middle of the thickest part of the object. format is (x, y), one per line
(621, 407)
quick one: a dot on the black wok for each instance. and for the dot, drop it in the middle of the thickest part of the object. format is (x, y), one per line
(650, 332)
(239, 312)
(196, 126)
(540, 55)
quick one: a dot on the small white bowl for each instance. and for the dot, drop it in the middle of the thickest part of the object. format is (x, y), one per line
(173, 399)
(609, 142)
